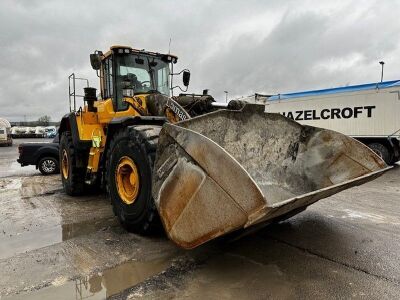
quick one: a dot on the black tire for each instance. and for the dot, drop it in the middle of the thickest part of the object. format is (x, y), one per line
(48, 165)
(74, 182)
(139, 143)
(382, 151)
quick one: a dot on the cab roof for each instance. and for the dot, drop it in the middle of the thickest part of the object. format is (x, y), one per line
(115, 48)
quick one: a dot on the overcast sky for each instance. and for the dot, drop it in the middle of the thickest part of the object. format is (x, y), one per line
(239, 46)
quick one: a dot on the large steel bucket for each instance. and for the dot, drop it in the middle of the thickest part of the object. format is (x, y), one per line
(231, 169)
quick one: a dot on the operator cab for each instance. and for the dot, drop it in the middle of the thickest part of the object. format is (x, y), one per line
(126, 72)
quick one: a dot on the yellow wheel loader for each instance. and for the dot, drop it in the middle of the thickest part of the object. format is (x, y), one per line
(200, 168)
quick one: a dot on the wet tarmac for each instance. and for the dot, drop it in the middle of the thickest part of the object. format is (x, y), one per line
(53, 246)
(8, 159)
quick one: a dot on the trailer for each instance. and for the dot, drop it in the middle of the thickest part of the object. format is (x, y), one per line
(369, 113)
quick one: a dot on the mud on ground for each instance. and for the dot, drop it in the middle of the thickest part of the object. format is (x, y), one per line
(53, 246)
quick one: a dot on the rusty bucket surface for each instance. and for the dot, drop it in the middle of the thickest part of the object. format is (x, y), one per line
(232, 169)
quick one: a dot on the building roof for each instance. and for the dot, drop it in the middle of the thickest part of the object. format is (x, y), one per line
(337, 90)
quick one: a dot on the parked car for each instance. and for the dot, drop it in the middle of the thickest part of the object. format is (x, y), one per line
(42, 155)
(50, 131)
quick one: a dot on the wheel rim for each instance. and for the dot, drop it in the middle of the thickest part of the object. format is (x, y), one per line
(48, 165)
(64, 164)
(127, 180)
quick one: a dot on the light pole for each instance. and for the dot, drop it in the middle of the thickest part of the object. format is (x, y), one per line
(382, 63)
(226, 96)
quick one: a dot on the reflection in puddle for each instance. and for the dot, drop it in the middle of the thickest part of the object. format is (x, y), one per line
(111, 282)
(124, 276)
(30, 240)
(11, 245)
(31, 219)
(72, 230)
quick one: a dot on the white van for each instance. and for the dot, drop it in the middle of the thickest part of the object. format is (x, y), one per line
(5, 134)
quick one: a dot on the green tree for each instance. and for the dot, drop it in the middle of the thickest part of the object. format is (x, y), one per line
(44, 120)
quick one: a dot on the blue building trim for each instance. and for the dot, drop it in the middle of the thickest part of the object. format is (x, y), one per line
(345, 89)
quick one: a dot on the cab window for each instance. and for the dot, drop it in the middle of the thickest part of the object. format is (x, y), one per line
(142, 73)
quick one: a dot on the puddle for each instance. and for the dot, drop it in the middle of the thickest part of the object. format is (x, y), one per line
(101, 286)
(27, 241)
(14, 169)
(30, 240)
(34, 215)
(72, 230)
(8, 160)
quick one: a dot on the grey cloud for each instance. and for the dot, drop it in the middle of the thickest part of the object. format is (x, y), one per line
(228, 45)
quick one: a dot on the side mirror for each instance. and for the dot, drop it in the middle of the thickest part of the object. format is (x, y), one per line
(186, 77)
(95, 61)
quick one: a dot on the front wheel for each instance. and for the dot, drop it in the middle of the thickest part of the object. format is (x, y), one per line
(129, 169)
(382, 151)
(72, 175)
(48, 165)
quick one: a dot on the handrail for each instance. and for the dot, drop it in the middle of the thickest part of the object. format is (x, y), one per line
(72, 92)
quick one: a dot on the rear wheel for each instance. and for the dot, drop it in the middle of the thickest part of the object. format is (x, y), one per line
(129, 169)
(48, 165)
(72, 176)
(382, 151)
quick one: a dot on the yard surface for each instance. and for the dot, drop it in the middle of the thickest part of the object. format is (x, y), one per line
(53, 246)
